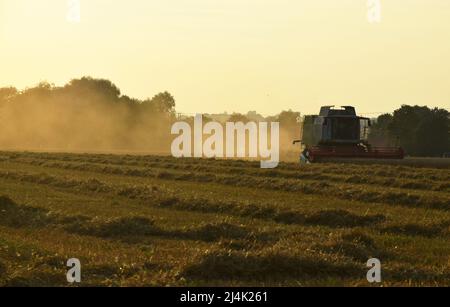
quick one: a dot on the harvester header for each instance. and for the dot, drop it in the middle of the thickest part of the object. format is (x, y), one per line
(338, 133)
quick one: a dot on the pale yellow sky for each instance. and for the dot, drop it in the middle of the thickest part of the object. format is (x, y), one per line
(237, 55)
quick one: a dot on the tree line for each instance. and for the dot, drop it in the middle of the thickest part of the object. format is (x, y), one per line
(85, 114)
(93, 114)
(419, 130)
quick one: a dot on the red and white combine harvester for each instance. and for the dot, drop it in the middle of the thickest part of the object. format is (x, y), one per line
(338, 133)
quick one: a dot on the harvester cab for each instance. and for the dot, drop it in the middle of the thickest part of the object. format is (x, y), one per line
(338, 133)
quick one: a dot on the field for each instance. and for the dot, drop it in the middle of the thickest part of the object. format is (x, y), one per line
(160, 221)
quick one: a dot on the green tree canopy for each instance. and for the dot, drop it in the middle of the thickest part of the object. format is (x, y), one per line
(421, 131)
(85, 113)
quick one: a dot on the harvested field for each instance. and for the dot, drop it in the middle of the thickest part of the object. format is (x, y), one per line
(136, 220)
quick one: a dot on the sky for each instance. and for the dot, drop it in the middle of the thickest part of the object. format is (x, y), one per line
(236, 55)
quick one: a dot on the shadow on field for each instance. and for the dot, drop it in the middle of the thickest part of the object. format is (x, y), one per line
(330, 218)
(128, 229)
(43, 278)
(416, 276)
(31, 267)
(428, 231)
(265, 265)
(357, 246)
(2, 269)
(127, 226)
(17, 216)
(104, 271)
(134, 229)
(342, 218)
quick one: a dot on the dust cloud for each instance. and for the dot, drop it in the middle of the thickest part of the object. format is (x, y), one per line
(92, 115)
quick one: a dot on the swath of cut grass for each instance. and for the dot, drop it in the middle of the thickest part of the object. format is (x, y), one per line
(357, 246)
(2, 269)
(342, 218)
(418, 230)
(267, 265)
(417, 276)
(290, 185)
(331, 218)
(126, 226)
(43, 277)
(16, 216)
(99, 272)
(142, 226)
(217, 231)
(305, 234)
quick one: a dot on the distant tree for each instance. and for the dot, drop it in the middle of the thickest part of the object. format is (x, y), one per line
(7, 93)
(207, 119)
(404, 123)
(42, 89)
(163, 102)
(86, 113)
(289, 118)
(131, 102)
(379, 131)
(421, 131)
(254, 116)
(432, 134)
(289, 131)
(272, 118)
(93, 90)
(238, 117)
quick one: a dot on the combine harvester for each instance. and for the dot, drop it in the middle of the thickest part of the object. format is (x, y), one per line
(339, 134)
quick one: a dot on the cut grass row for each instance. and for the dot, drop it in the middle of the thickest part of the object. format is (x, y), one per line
(192, 232)
(347, 191)
(386, 171)
(390, 171)
(157, 196)
(23, 216)
(152, 195)
(311, 174)
(342, 258)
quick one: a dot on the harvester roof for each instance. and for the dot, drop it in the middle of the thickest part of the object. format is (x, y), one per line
(344, 111)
